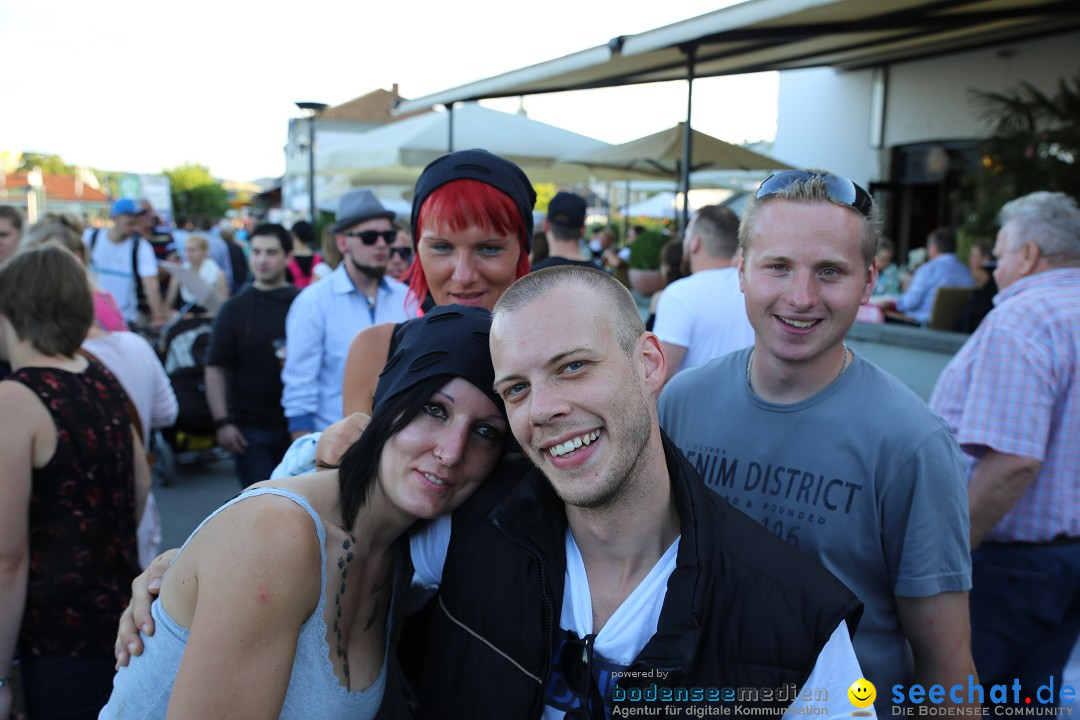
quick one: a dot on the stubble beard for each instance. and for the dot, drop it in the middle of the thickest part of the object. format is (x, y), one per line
(632, 426)
(371, 271)
(275, 281)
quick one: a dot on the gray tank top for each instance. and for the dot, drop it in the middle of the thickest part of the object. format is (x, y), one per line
(142, 689)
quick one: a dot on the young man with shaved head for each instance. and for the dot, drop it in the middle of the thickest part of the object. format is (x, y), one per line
(703, 316)
(605, 577)
(608, 570)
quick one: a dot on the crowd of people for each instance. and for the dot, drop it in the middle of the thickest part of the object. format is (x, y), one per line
(475, 485)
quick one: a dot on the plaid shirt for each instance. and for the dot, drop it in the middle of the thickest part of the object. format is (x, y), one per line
(1015, 387)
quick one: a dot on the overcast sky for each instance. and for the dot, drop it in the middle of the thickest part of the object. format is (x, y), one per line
(140, 86)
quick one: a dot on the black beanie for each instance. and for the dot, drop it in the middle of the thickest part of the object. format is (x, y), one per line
(486, 167)
(450, 340)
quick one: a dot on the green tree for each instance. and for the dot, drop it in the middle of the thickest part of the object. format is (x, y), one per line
(110, 181)
(1034, 145)
(196, 193)
(49, 164)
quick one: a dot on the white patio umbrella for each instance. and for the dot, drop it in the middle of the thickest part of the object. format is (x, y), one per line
(661, 205)
(418, 140)
(398, 152)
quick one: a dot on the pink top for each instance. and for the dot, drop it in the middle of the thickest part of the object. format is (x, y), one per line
(299, 279)
(107, 313)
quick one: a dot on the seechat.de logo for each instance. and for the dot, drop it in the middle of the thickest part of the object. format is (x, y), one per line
(1000, 700)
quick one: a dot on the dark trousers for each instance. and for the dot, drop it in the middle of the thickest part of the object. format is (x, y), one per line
(265, 448)
(1025, 615)
(66, 688)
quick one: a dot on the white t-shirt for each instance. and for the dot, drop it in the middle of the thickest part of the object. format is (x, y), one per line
(111, 263)
(634, 622)
(137, 368)
(208, 271)
(706, 314)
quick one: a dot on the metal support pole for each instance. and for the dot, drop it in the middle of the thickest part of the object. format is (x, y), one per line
(688, 150)
(312, 212)
(450, 131)
(314, 108)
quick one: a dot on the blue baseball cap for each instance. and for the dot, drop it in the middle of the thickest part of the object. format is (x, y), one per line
(126, 206)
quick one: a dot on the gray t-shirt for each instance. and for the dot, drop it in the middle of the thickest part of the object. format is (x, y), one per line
(861, 475)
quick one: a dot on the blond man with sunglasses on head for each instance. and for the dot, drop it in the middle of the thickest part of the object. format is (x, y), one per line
(824, 448)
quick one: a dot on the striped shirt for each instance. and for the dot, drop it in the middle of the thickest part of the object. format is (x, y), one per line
(322, 322)
(1014, 387)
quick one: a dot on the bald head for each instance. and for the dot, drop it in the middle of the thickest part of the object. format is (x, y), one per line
(619, 306)
(580, 378)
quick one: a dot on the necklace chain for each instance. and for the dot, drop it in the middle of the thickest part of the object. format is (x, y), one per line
(750, 364)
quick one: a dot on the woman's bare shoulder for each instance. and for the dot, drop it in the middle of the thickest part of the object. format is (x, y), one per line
(367, 356)
(259, 548)
(373, 337)
(25, 415)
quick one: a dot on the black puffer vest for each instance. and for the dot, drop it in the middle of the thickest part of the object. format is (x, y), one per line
(743, 609)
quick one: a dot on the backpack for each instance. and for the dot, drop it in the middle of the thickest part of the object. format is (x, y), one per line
(238, 261)
(140, 294)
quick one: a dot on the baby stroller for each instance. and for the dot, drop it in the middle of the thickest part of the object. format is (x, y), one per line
(183, 344)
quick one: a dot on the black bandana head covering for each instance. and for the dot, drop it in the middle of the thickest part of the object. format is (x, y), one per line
(451, 341)
(488, 168)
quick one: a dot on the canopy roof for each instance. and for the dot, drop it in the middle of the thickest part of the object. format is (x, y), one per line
(761, 35)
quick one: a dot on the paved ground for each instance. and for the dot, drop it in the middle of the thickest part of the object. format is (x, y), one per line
(195, 492)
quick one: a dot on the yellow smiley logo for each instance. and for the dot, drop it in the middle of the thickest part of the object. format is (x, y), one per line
(862, 693)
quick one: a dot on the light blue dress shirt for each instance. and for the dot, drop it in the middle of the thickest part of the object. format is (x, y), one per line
(322, 322)
(943, 271)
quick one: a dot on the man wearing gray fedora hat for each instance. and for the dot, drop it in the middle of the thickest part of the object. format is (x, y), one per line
(326, 315)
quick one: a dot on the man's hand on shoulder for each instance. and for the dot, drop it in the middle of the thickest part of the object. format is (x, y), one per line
(144, 588)
(338, 438)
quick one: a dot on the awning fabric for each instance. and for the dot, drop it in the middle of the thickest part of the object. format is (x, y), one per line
(761, 35)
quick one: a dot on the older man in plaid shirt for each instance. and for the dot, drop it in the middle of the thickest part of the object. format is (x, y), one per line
(1012, 395)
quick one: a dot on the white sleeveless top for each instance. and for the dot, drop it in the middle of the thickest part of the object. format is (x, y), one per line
(142, 689)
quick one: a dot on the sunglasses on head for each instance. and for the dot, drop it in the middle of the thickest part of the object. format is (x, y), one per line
(370, 237)
(839, 189)
(405, 253)
(576, 660)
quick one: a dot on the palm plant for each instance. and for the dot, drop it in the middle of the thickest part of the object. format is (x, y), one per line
(1034, 145)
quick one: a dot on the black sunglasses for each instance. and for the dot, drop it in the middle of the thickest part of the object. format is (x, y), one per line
(576, 664)
(402, 252)
(370, 237)
(839, 189)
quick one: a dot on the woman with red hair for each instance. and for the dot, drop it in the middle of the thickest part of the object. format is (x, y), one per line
(472, 220)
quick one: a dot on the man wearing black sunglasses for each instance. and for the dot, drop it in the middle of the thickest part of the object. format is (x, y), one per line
(825, 449)
(328, 314)
(400, 254)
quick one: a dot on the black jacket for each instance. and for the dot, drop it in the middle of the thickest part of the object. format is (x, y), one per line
(743, 609)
